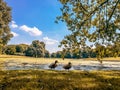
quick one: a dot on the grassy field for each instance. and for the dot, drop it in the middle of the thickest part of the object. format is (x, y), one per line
(46, 60)
(56, 80)
(31, 60)
(59, 80)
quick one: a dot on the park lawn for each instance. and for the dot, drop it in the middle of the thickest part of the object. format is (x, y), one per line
(59, 80)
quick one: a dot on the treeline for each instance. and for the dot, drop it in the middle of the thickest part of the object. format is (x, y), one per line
(36, 49)
(90, 52)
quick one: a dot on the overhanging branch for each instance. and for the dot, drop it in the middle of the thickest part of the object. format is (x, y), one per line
(93, 12)
(113, 11)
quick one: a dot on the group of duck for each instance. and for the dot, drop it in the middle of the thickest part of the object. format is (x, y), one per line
(54, 65)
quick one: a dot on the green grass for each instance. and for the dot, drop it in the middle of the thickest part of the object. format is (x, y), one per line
(59, 80)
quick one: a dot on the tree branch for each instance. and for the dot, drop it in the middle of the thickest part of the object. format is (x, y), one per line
(92, 13)
(107, 22)
(113, 11)
(83, 7)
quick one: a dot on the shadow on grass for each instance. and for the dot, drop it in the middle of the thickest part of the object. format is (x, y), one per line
(59, 80)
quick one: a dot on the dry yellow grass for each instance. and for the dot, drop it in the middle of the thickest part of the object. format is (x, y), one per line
(32, 60)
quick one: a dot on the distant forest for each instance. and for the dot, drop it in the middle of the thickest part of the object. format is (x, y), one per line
(37, 49)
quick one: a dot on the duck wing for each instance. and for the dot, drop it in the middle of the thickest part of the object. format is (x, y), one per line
(67, 66)
(52, 65)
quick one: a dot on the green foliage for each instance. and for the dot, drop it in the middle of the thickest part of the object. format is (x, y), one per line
(116, 49)
(21, 48)
(30, 51)
(1, 48)
(53, 55)
(47, 54)
(85, 54)
(5, 18)
(10, 50)
(58, 54)
(95, 21)
(36, 49)
(98, 51)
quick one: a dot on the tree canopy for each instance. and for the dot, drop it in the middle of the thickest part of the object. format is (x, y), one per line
(96, 21)
(10, 50)
(36, 49)
(5, 18)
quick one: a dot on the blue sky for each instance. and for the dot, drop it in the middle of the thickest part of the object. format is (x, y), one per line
(34, 20)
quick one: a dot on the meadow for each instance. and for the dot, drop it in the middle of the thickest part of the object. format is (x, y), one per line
(59, 80)
(54, 79)
(5, 58)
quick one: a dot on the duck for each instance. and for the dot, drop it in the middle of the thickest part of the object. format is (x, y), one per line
(67, 66)
(53, 65)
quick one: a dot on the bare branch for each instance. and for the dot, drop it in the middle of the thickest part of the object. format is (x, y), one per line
(93, 12)
(113, 11)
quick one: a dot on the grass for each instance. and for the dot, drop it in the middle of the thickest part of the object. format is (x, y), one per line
(4, 58)
(32, 60)
(59, 80)
(56, 80)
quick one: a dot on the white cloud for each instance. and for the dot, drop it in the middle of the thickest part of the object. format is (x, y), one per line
(13, 24)
(49, 41)
(14, 34)
(32, 31)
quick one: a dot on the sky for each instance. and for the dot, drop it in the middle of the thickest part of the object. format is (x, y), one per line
(35, 20)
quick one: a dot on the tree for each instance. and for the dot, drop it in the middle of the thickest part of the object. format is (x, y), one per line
(5, 18)
(116, 49)
(53, 55)
(21, 48)
(58, 54)
(96, 21)
(85, 54)
(109, 50)
(10, 50)
(36, 49)
(47, 54)
(100, 51)
(30, 51)
(68, 54)
(92, 53)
